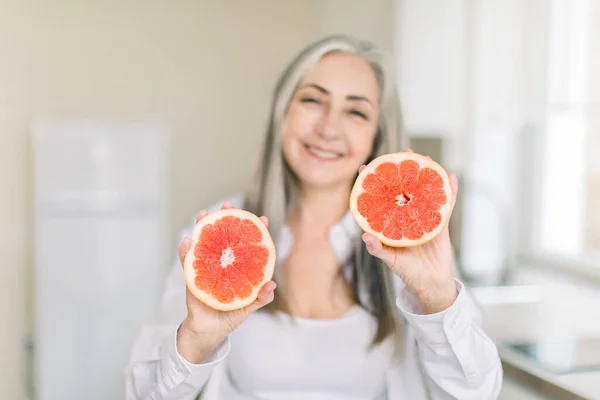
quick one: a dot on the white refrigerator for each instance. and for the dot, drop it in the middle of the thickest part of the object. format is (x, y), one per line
(101, 195)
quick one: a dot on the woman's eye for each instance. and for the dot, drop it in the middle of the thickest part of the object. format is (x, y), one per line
(309, 100)
(359, 114)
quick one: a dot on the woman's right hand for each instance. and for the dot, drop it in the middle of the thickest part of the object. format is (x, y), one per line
(205, 328)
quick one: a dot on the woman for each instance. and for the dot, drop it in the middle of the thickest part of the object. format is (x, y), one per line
(351, 319)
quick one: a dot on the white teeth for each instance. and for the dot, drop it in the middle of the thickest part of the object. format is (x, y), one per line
(324, 154)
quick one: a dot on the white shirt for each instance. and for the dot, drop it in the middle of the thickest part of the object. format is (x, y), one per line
(300, 358)
(447, 354)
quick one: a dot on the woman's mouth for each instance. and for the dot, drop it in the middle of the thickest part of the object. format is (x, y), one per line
(323, 154)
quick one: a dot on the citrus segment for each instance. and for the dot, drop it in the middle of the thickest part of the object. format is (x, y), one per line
(231, 256)
(404, 199)
(409, 174)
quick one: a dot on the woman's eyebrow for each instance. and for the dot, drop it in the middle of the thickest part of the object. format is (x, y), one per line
(321, 89)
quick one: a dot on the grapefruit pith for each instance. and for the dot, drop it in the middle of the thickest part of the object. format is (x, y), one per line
(231, 257)
(404, 199)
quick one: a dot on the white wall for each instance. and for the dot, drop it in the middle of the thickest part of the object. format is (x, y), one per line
(367, 19)
(206, 67)
(431, 54)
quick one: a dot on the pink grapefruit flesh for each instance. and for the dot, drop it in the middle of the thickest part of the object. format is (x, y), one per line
(404, 199)
(231, 257)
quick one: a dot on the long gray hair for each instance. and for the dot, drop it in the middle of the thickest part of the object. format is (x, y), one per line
(272, 191)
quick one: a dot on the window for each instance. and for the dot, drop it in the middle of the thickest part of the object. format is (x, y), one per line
(568, 223)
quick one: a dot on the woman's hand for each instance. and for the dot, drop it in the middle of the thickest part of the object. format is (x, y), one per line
(204, 327)
(425, 269)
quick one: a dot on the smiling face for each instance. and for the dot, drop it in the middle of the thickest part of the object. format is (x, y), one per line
(331, 121)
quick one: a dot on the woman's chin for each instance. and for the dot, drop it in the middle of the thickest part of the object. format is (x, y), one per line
(323, 182)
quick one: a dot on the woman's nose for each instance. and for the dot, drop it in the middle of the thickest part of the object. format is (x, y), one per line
(330, 125)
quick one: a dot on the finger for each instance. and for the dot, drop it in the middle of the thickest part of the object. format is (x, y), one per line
(266, 291)
(376, 249)
(360, 169)
(226, 205)
(408, 150)
(184, 247)
(454, 183)
(265, 220)
(265, 296)
(201, 214)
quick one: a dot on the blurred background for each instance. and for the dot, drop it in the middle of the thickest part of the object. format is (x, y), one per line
(120, 119)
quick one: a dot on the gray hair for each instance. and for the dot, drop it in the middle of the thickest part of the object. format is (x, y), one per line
(275, 185)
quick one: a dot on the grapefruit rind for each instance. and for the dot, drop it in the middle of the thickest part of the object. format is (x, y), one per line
(424, 162)
(190, 272)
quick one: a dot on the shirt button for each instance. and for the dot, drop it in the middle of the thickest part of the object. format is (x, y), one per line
(452, 323)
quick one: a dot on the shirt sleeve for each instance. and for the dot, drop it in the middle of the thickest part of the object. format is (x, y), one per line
(458, 358)
(156, 371)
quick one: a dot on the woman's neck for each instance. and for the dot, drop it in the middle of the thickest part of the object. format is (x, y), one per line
(321, 206)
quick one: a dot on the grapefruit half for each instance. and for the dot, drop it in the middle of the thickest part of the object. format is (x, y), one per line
(404, 199)
(231, 257)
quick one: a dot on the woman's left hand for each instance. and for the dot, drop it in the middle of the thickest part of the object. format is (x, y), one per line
(425, 269)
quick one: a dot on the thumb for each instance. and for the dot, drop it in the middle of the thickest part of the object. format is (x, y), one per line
(184, 247)
(265, 296)
(377, 249)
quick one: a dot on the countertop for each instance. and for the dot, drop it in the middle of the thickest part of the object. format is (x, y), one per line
(559, 306)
